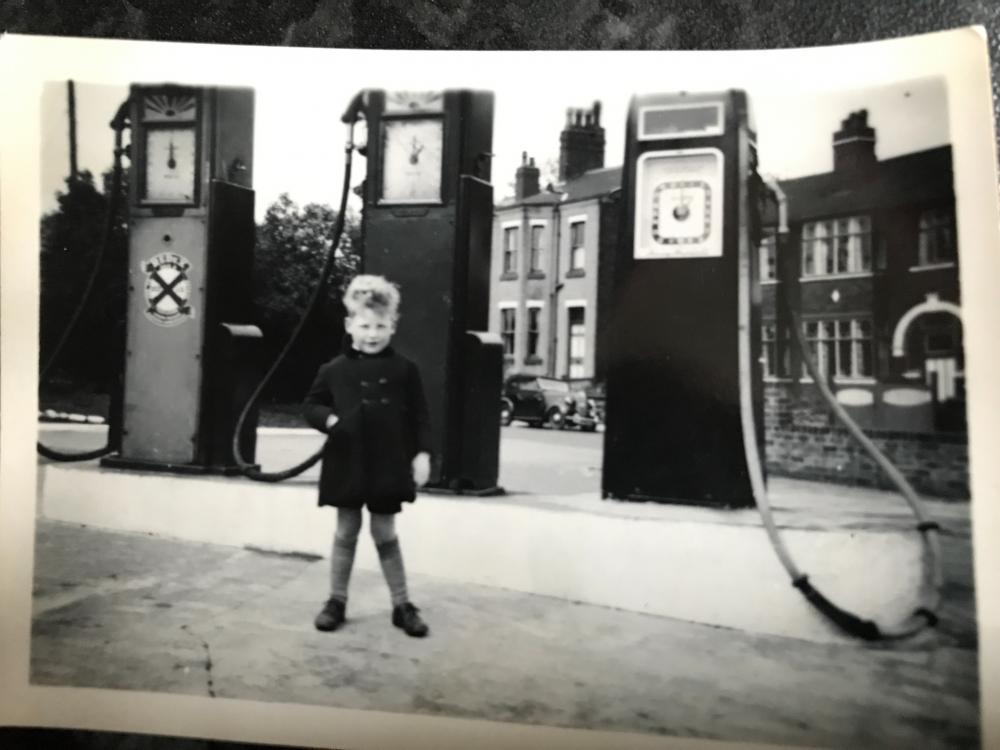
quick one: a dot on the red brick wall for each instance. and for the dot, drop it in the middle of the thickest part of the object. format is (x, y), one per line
(804, 440)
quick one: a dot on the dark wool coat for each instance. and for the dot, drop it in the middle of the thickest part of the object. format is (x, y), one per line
(384, 423)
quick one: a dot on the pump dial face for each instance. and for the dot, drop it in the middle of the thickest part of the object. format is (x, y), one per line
(411, 165)
(681, 212)
(678, 204)
(171, 165)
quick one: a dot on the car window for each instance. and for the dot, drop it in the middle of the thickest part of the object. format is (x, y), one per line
(558, 386)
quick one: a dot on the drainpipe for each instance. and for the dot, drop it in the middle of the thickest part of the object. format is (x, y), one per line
(521, 332)
(772, 183)
(554, 295)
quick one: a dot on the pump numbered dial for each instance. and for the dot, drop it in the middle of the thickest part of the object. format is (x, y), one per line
(169, 120)
(679, 203)
(411, 166)
(682, 212)
(171, 162)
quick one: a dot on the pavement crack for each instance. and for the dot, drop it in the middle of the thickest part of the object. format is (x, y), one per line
(209, 676)
(206, 647)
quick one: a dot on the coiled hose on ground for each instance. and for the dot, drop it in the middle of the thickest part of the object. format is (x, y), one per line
(922, 616)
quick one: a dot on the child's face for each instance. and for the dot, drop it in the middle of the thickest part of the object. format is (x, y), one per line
(370, 330)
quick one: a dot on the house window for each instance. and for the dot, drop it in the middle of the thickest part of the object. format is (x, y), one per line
(936, 241)
(840, 348)
(837, 246)
(769, 257)
(535, 254)
(577, 341)
(510, 250)
(508, 329)
(534, 332)
(577, 251)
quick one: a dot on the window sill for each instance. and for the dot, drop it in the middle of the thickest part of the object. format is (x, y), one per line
(768, 281)
(533, 274)
(575, 273)
(508, 276)
(837, 276)
(845, 381)
(932, 266)
(533, 359)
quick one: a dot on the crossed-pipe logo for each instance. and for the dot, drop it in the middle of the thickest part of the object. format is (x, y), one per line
(168, 289)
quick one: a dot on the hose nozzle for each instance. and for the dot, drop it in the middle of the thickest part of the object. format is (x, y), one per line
(355, 108)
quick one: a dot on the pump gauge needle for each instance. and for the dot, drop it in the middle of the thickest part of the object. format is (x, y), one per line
(171, 161)
(681, 210)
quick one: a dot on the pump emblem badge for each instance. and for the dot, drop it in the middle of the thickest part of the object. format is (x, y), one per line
(167, 289)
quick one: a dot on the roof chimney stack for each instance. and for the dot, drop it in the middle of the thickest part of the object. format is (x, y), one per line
(581, 143)
(526, 178)
(854, 144)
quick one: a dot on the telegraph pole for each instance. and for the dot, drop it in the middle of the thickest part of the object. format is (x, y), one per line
(71, 96)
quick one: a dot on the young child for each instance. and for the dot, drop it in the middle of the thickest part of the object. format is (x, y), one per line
(370, 402)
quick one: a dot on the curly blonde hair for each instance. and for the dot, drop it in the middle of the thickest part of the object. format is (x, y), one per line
(374, 293)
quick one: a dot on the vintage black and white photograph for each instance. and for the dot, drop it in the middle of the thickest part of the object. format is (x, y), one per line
(619, 394)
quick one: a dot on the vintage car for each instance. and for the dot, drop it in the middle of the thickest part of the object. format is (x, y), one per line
(543, 401)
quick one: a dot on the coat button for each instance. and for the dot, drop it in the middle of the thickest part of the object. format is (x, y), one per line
(365, 384)
(385, 401)
(367, 401)
(383, 381)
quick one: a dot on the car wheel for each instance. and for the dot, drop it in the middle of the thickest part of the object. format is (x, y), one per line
(506, 411)
(556, 418)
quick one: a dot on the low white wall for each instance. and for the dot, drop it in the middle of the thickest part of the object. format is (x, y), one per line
(703, 570)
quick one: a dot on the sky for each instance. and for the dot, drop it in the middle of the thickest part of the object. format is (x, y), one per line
(299, 139)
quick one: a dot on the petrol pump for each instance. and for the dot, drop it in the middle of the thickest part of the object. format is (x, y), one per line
(684, 388)
(426, 226)
(190, 260)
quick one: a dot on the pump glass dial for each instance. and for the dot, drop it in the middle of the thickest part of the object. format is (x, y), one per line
(411, 166)
(681, 212)
(171, 165)
(679, 204)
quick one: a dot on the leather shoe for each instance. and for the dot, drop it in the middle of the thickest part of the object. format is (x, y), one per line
(405, 616)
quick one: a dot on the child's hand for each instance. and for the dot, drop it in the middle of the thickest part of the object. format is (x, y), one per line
(331, 421)
(421, 468)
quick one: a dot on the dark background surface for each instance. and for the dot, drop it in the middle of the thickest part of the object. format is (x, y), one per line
(507, 24)
(468, 24)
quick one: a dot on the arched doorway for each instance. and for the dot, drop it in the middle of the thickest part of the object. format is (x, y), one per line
(928, 340)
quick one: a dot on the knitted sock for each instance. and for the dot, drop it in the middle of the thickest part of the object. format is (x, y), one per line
(341, 563)
(345, 542)
(391, 558)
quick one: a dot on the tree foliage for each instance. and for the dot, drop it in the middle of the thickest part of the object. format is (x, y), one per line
(71, 243)
(292, 244)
